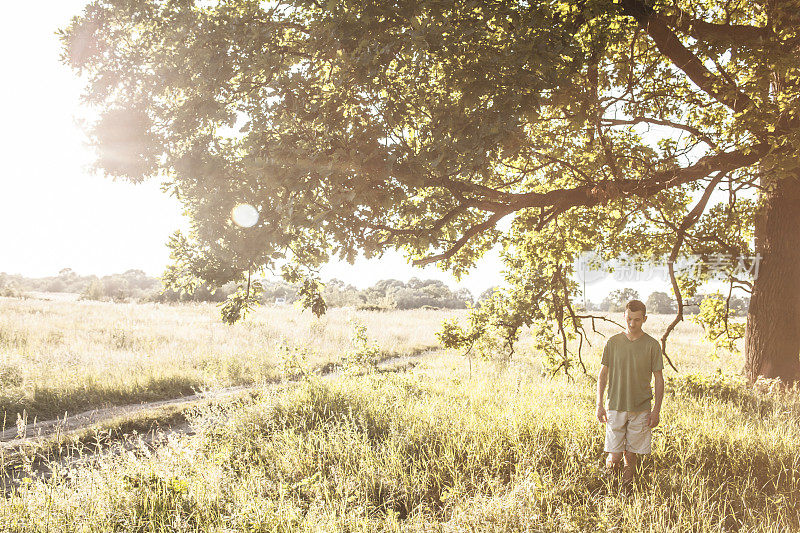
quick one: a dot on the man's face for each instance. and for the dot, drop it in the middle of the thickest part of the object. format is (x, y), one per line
(635, 319)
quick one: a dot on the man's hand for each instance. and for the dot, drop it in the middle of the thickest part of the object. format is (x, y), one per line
(601, 414)
(653, 418)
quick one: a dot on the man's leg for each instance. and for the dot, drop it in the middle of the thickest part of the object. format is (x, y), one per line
(630, 467)
(613, 461)
(615, 440)
(638, 439)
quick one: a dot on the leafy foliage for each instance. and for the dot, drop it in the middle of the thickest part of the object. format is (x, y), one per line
(615, 302)
(364, 354)
(239, 303)
(713, 317)
(660, 302)
(309, 292)
(353, 127)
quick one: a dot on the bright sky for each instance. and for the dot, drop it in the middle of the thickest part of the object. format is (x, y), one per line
(55, 213)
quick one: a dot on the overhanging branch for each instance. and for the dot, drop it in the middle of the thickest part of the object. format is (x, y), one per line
(687, 222)
(591, 195)
(657, 27)
(730, 34)
(471, 232)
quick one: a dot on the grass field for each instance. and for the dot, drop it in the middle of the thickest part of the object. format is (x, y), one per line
(71, 356)
(436, 448)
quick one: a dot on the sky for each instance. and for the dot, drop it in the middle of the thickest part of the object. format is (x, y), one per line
(56, 213)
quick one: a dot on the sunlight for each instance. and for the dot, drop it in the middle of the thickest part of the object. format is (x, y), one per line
(244, 215)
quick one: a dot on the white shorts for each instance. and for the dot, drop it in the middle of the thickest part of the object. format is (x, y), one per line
(627, 431)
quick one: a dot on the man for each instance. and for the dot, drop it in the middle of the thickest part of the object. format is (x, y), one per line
(629, 361)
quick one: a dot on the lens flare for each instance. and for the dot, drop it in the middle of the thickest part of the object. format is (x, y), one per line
(244, 215)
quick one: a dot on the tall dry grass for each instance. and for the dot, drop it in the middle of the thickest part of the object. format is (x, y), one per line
(440, 448)
(440, 451)
(70, 356)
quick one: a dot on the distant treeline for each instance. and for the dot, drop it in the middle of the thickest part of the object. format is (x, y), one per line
(662, 303)
(130, 285)
(135, 285)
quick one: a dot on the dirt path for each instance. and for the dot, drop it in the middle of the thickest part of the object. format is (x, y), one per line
(41, 431)
(34, 449)
(47, 428)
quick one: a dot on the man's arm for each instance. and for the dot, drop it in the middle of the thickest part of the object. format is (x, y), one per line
(602, 380)
(655, 413)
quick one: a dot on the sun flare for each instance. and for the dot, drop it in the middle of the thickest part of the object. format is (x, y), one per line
(244, 215)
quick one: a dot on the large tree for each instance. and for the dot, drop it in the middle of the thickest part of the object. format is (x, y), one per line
(639, 129)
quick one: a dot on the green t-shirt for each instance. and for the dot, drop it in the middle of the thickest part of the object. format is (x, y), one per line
(630, 367)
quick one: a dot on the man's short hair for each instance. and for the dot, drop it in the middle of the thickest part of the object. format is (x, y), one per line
(636, 305)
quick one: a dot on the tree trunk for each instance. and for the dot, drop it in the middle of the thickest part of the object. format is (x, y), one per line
(772, 337)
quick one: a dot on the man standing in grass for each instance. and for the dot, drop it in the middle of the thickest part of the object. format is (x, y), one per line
(629, 361)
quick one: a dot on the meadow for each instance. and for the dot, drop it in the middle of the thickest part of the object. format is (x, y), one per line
(60, 356)
(433, 447)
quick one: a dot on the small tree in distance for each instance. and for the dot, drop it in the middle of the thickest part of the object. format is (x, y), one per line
(660, 303)
(615, 302)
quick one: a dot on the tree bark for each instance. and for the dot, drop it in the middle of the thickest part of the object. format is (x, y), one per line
(772, 336)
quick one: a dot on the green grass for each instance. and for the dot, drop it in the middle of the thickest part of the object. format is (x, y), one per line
(62, 357)
(440, 448)
(437, 451)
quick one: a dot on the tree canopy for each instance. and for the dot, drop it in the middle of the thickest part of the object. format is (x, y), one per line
(357, 126)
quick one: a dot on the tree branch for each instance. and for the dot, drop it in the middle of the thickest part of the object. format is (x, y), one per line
(732, 34)
(660, 122)
(439, 224)
(671, 47)
(576, 325)
(471, 232)
(590, 195)
(687, 222)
